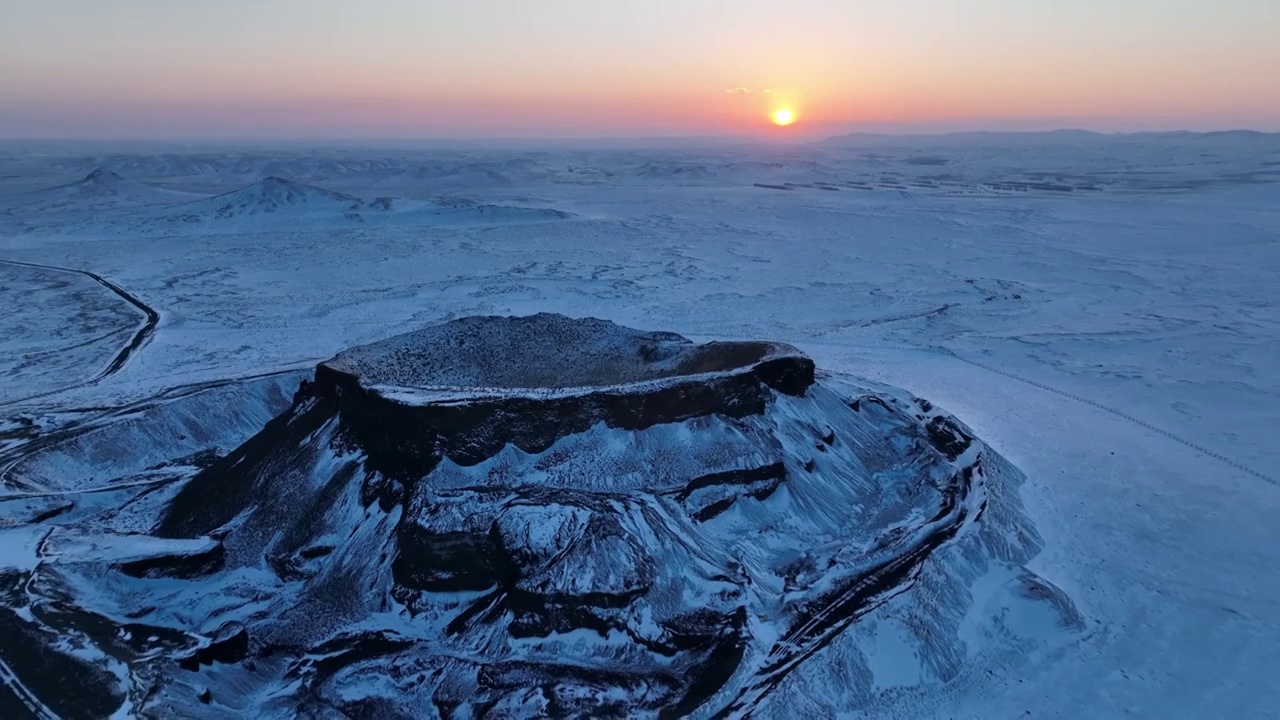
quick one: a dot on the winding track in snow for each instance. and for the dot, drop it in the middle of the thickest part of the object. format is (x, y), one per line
(13, 457)
(141, 336)
(1120, 414)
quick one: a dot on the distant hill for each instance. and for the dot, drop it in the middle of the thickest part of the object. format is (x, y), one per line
(101, 189)
(675, 171)
(461, 210)
(276, 199)
(273, 195)
(456, 173)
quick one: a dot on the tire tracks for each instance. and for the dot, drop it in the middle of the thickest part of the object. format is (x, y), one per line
(947, 352)
(12, 457)
(1118, 413)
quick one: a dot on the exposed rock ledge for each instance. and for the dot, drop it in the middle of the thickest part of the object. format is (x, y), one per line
(467, 388)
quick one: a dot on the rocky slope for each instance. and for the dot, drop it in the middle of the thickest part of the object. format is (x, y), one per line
(506, 517)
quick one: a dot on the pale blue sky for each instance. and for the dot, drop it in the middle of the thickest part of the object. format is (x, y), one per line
(143, 68)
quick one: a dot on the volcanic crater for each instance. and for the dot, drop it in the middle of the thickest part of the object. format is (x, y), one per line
(542, 515)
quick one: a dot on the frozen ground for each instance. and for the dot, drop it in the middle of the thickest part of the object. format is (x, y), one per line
(93, 324)
(1102, 311)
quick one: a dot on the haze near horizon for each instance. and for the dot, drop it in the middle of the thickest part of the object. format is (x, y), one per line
(570, 68)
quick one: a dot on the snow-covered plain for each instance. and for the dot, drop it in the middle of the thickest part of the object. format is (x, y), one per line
(1103, 311)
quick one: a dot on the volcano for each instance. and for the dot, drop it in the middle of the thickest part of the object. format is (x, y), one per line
(542, 516)
(272, 195)
(102, 189)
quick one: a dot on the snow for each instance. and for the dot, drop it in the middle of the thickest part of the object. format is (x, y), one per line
(20, 547)
(270, 195)
(101, 189)
(82, 339)
(1119, 343)
(73, 546)
(539, 352)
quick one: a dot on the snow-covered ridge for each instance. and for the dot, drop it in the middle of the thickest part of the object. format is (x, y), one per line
(469, 387)
(543, 353)
(666, 528)
(451, 394)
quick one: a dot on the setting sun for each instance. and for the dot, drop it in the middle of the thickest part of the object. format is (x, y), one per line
(783, 117)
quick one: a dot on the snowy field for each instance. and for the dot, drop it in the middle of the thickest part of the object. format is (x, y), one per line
(1104, 311)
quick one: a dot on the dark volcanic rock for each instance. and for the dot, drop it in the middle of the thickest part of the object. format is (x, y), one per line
(230, 643)
(547, 352)
(542, 516)
(468, 388)
(176, 565)
(948, 436)
(42, 667)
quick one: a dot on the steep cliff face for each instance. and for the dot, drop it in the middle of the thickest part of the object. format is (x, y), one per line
(522, 516)
(467, 389)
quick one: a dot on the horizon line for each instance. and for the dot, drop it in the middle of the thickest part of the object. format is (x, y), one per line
(793, 139)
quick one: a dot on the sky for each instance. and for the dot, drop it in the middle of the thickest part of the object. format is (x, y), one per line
(137, 69)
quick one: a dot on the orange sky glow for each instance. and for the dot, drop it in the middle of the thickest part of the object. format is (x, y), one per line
(573, 68)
